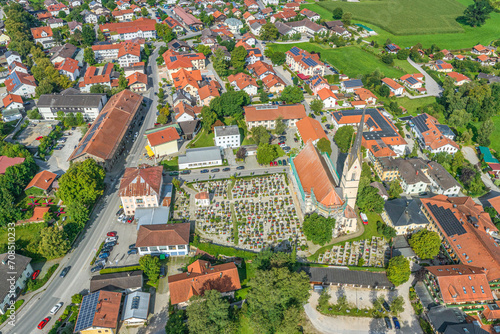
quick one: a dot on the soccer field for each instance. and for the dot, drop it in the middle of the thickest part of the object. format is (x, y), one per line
(405, 17)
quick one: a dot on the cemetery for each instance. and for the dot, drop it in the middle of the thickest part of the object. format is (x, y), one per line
(374, 252)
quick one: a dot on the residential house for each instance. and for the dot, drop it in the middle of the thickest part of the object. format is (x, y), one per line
(99, 311)
(181, 95)
(16, 270)
(234, 25)
(260, 69)
(125, 282)
(55, 23)
(106, 136)
(200, 157)
(310, 129)
(349, 86)
(174, 25)
(227, 136)
(175, 61)
(192, 22)
(441, 66)
(123, 14)
(89, 17)
(43, 35)
(43, 181)
(266, 115)
(12, 56)
(413, 81)
(304, 63)
(317, 83)
(285, 15)
(310, 14)
(140, 28)
(71, 101)
(69, 67)
(169, 239)
(21, 84)
(481, 50)
(274, 84)
(186, 112)
(125, 53)
(135, 308)
(458, 78)
(328, 97)
(59, 53)
(242, 81)
(138, 82)
(433, 136)
(284, 29)
(18, 67)
(178, 46)
(365, 95)
(251, 5)
(56, 8)
(396, 89)
(200, 277)
(392, 48)
(207, 93)
(486, 61)
(307, 27)
(140, 187)
(105, 76)
(465, 230)
(404, 215)
(13, 101)
(164, 142)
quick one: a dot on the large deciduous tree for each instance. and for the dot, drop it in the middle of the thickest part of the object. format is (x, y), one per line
(398, 271)
(369, 200)
(425, 244)
(238, 57)
(292, 94)
(53, 242)
(151, 267)
(476, 14)
(344, 138)
(266, 153)
(269, 32)
(324, 146)
(318, 229)
(209, 314)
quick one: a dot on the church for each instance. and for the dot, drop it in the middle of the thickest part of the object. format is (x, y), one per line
(322, 190)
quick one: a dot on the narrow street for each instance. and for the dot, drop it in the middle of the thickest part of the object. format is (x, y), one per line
(433, 88)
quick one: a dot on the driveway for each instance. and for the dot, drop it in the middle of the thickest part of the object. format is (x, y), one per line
(433, 88)
(470, 154)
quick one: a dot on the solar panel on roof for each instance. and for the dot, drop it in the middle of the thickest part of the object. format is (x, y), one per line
(447, 220)
(295, 51)
(310, 62)
(412, 80)
(87, 312)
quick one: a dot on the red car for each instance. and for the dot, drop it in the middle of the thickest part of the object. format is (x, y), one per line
(111, 234)
(271, 164)
(42, 323)
(35, 274)
(275, 163)
(39, 138)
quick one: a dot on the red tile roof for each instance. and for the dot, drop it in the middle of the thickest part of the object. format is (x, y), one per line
(315, 176)
(137, 77)
(208, 91)
(174, 59)
(433, 137)
(10, 98)
(6, 162)
(325, 93)
(163, 235)
(202, 276)
(460, 283)
(458, 77)
(242, 80)
(37, 32)
(142, 24)
(107, 309)
(141, 181)
(272, 80)
(69, 65)
(391, 83)
(310, 129)
(42, 180)
(163, 136)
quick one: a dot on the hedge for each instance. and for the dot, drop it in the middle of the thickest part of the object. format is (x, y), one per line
(38, 283)
(119, 270)
(97, 253)
(215, 250)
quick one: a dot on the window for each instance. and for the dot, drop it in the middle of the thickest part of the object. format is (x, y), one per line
(162, 247)
(473, 290)
(465, 291)
(181, 247)
(144, 249)
(482, 290)
(171, 247)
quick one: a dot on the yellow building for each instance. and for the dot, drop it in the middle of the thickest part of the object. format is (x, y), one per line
(163, 142)
(99, 313)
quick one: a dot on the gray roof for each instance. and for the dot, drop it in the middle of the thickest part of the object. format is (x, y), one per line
(233, 22)
(65, 51)
(441, 317)
(336, 23)
(69, 100)
(380, 187)
(441, 176)
(136, 305)
(152, 216)
(229, 130)
(490, 77)
(283, 28)
(180, 95)
(201, 154)
(465, 329)
(19, 262)
(403, 212)
(346, 276)
(189, 127)
(445, 130)
(306, 23)
(117, 281)
(352, 83)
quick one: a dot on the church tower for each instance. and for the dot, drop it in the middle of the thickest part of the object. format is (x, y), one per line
(351, 173)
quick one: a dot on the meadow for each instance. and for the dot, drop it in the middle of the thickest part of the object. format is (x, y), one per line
(408, 23)
(350, 60)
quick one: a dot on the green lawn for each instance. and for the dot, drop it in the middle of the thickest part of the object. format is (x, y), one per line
(410, 22)
(350, 60)
(25, 235)
(172, 165)
(203, 140)
(412, 104)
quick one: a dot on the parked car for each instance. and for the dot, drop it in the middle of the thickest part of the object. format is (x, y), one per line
(42, 323)
(103, 255)
(100, 262)
(56, 308)
(132, 251)
(120, 212)
(284, 162)
(131, 246)
(385, 304)
(173, 173)
(35, 274)
(162, 271)
(111, 234)
(64, 272)
(215, 170)
(240, 167)
(227, 169)
(110, 239)
(107, 249)
(396, 323)
(203, 171)
(97, 268)
(275, 163)
(388, 323)
(186, 171)
(109, 244)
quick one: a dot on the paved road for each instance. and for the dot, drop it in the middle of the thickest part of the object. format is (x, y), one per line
(433, 88)
(470, 154)
(102, 220)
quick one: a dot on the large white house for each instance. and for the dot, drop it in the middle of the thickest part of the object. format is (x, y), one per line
(169, 239)
(433, 136)
(227, 136)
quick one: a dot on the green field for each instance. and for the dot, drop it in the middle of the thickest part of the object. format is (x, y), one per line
(350, 60)
(410, 22)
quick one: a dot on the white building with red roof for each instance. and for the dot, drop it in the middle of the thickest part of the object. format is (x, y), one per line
(175, 61)
(164, 141)
(21, 84)
(138, 82)
(140, 28)
(396, 89)
(43, 35)
(328, 97)
(69, 67)
(458, 78)
(244, 82)
(12, 101)
(304, 63)
(58, 7)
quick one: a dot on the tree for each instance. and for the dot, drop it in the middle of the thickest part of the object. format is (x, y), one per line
(209, 314)
(53, 242)
(205, 49)
(266, 153)
(369, 200)
(324, 146)
(151, 267)
(384, 90)
(344, 138)
(337, 13)
(398, 271)
(397, 305)
(263, 96)
(395, 189)
(318, 229)
(260, 135)
(208, 117)
(76, 299)
(467, 175)
(144, 11)
(88, 34)
(220, 63)
(278, 58)
(387, 58)
(89, 56)
(484, 132)
(242, 153)
(269, 32)
(324, 299)
(164, 32)
(292, 94)
(230, 104)
(425, 244)
(34, 114)
(459, 118)
(346, 18)
(83, 182)
(280, 126)
(403, 54)
(271, 293)
(238, 57)
(316, 106)
(176, 324)
(476, 14)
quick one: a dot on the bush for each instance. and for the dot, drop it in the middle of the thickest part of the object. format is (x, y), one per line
(119, 270)
(97, 254)
(36, 284)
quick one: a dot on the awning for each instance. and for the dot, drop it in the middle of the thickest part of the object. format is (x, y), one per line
(150, 151)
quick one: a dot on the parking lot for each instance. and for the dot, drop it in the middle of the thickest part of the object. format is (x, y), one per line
(58, 162)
